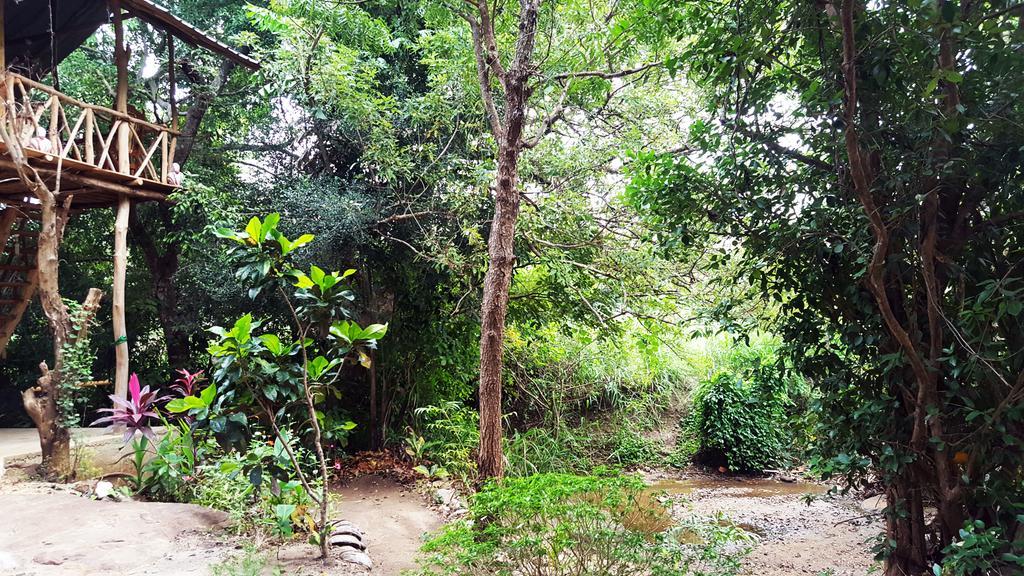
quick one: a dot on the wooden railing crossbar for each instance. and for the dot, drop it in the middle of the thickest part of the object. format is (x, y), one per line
(75, 129)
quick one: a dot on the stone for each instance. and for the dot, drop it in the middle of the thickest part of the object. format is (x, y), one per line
(48, 559)
(874, 503)
(346, 527)
(445, 495)
(349, 540)
(353, 556)
(103, 489)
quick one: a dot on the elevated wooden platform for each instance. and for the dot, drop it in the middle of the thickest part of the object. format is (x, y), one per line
(99, 153)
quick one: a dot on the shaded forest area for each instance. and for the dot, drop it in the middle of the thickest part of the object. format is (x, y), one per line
(546, 239)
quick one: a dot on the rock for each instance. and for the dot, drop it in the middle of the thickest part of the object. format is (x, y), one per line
(83, 487)
(445, 495)
(874, 503)
(346, 527)
(353, 556)
(450, 498)
(787, 477)
(349, 540)
(103, 489)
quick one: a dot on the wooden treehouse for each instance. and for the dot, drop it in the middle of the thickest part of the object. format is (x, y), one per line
(91, 156)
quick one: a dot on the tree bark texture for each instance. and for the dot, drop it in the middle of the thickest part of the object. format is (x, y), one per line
(508, 131)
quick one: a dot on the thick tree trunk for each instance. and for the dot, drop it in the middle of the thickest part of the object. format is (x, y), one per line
(501, 242)
(162, 268)
(163, 260)
(498, 280)
(42, 401)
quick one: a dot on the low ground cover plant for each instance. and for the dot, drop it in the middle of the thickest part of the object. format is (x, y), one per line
(563, 524)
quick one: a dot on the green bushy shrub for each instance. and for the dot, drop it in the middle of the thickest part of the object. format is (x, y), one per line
(540, 451)
(749, 416)
(561, 525)
(451, 433)
(628, 448)
(739, 423)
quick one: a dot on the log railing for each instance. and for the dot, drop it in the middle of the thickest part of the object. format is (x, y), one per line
(85, 136)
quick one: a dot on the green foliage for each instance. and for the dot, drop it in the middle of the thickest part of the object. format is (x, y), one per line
(744, 415)
(252, 562)
(739, 423)
(174, 465)
(980, 550)
(540, 451)
(559, 524)
(453, 435)
(78, 358)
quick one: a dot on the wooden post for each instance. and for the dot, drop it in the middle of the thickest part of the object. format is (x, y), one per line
(173, 99)
(3, 38)
(123, 208)
(120, 272)
(90, 146)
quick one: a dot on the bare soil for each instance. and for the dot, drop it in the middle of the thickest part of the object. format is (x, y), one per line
(829, 536)
(393, 517)
(54, 532)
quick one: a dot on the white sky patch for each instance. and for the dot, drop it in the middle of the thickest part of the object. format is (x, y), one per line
(151, 66)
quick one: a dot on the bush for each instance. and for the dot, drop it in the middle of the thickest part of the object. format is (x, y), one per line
(739, 418)
(559, 524)
(451, 430)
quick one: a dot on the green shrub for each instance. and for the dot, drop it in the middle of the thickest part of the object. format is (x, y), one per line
(750, 412)
(628, 448)
(740, 422)
(981, 550)
(559, 524)
(451, 431)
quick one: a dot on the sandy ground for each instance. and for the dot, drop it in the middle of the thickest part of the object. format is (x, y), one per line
(394, 518)
(49, 532)
(830, 536)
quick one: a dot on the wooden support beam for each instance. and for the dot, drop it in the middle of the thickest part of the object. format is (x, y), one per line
(7, 219)
(120, 273)
(10, 322)
(123, 209)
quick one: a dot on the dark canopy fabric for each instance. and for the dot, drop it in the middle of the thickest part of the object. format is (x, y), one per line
(27, 30)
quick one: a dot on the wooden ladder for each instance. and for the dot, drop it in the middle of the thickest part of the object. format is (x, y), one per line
(19, 275)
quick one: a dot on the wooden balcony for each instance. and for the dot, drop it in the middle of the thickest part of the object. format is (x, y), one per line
(99, 153)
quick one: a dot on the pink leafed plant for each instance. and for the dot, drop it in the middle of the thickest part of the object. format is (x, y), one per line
(187, 382)
(133, 415)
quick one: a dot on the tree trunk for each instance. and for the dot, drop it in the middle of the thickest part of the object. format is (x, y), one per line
(501, 242)
(498, 280)
(163, 261)
(42, 401)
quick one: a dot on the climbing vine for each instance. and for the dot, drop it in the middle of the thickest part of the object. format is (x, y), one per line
(78, 361)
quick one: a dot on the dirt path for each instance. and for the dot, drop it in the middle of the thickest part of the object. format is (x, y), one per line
(828, 537)
(394, 518)
(54, 533)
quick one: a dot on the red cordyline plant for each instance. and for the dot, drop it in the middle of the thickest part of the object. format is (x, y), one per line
(186, 384)
(133, 415)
